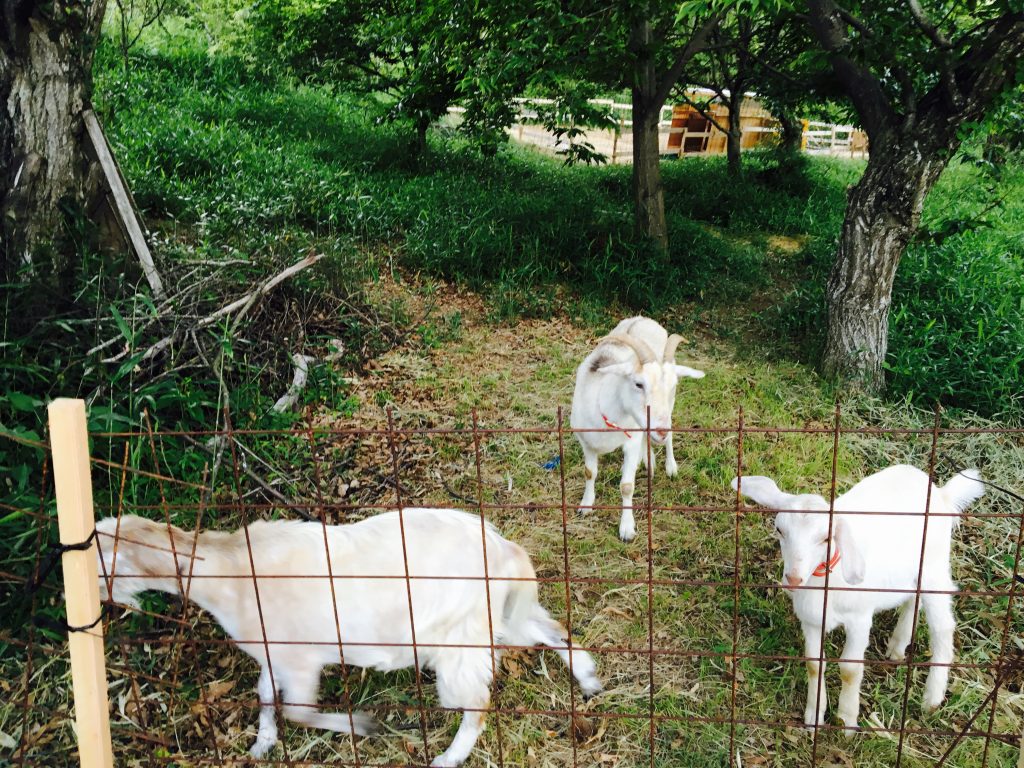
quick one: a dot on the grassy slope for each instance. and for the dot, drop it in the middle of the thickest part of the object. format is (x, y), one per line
(268, 171)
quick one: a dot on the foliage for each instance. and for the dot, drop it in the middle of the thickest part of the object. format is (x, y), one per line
(956, 332)
(424, 57)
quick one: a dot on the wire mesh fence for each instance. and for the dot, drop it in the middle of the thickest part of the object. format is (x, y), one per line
(694, 639)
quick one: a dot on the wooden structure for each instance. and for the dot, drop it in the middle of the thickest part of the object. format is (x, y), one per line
(692, 133)
(685, 131)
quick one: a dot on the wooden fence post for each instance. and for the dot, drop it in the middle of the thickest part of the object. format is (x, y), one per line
(69, 442)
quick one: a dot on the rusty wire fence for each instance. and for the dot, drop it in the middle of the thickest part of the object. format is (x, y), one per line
(697, 646)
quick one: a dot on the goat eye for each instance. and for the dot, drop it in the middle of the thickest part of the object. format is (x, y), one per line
(639, 385)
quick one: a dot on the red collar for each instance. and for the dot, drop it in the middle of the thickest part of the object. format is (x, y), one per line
(824, 568)
(608, 422)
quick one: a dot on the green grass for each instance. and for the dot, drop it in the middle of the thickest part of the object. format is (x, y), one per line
(240, 162)
(428, 384)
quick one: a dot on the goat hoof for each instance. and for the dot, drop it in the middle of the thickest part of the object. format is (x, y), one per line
(262, 747)
(364, 724)
(894, 653)
(627, 536)
(592, 690)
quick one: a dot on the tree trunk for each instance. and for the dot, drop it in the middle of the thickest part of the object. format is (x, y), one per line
(882, 213)
(420, 148)
(648, 195)
(734, 137)
(45, 82)
(791, 138)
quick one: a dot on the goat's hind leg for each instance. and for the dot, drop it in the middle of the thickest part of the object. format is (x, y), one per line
(896, 648)
(464, 682)
(941, 625)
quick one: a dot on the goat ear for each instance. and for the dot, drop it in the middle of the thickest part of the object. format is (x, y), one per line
(763, 490)
(684, 372)
(619, 369)
(851, 560)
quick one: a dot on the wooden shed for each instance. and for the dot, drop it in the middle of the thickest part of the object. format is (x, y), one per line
(692, 133)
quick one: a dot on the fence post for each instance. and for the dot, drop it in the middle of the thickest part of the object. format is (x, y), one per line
(69, 442)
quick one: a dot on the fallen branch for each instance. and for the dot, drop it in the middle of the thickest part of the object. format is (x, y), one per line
(122, 202)
(301, 375)
(245, 303)
(216, 446)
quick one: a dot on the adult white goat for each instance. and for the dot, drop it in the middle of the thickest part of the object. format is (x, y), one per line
(303, 620)
(876, 552)
(632, 369)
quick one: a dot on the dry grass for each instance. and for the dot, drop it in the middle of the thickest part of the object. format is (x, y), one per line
(515, 377)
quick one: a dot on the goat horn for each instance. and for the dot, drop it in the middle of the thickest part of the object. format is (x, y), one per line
(670, 347)
(642, 350)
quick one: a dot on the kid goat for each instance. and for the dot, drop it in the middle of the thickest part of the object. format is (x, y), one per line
(305, 620)
(874, 552)
(615, 385)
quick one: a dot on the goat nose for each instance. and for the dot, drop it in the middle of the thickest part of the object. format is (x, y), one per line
(662, 433)
(793, 581)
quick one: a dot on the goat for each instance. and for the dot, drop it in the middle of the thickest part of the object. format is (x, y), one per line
(877, 552)
(615, 386)
(307, 620)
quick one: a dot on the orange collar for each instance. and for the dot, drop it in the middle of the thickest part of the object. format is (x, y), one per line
(608, 422)
(824, 568)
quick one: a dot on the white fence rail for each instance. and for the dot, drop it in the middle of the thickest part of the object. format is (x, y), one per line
(617, 143)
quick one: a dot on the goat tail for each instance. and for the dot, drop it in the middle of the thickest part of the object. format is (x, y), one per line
(522, 597)
(964, 488)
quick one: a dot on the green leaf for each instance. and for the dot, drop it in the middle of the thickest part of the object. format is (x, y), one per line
(22, 402)
(122, 325)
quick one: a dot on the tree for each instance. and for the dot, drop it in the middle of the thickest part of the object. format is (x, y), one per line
(727, 69)
(134, 17)
(917, 78)
(46, 51)
(425, 56)
(660, 47)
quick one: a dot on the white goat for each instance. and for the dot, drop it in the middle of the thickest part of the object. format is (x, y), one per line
(615, 385)
(876, 552)
(302, 617)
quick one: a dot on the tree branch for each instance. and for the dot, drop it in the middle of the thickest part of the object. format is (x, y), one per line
(924, 23)
(702, 109)
(697, 43)
(865, 90)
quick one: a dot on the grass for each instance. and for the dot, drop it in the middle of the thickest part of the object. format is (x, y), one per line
(466, 286)
(512, 377)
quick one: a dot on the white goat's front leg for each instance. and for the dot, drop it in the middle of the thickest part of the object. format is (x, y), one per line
(590, 472)
(814, 710)
(464, 682)
(267, 736)
(671, 468)
(631, 451)
(941, 625)
(300, 684)
(896, 649)
(852, 672)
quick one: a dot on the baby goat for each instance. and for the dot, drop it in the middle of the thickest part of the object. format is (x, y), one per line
(631, 369)
(880, 552)
(303, 620)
